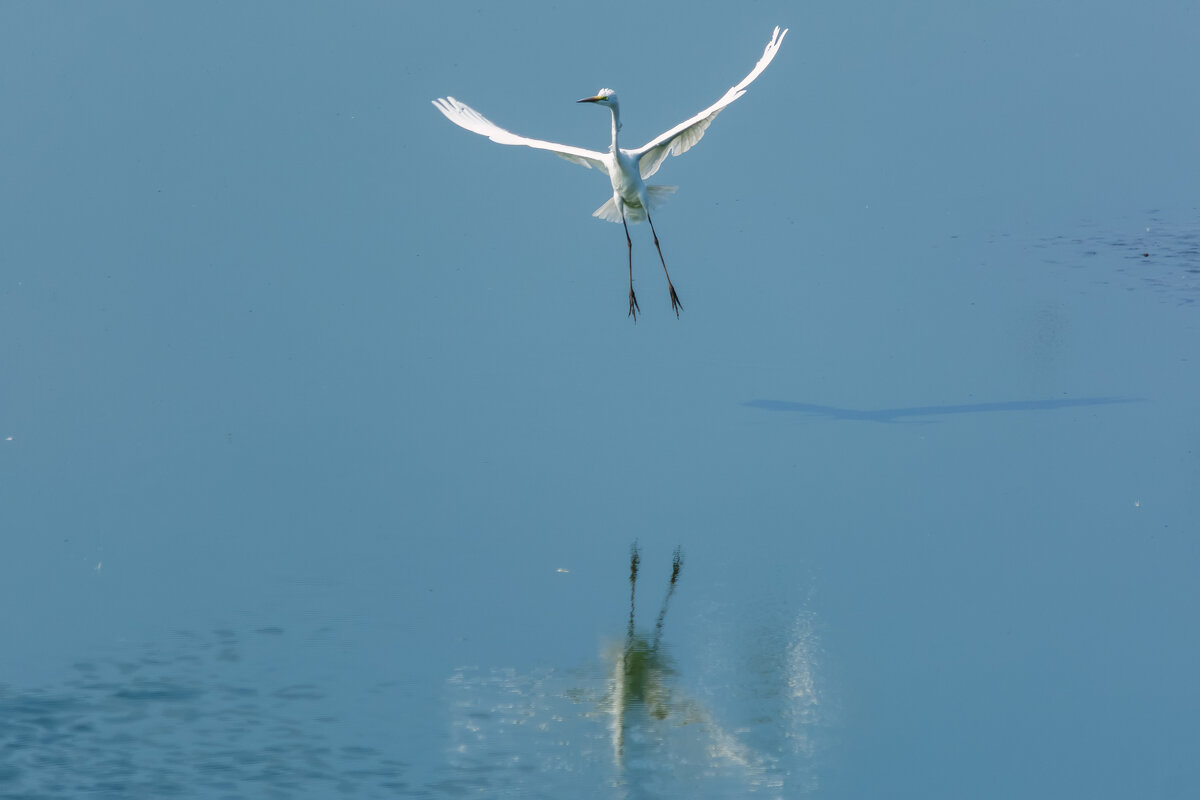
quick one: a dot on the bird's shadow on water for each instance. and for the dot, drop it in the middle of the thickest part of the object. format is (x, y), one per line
(928, 414)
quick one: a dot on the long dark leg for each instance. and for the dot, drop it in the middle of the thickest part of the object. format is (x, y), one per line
(633, 306)
(662, 615)
(675, 304)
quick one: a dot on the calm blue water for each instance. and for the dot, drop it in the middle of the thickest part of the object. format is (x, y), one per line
(324, 437)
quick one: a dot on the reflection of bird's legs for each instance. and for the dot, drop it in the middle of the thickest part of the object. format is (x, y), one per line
(633, 305)
(675, 304)
(676, 566)
(634, 559)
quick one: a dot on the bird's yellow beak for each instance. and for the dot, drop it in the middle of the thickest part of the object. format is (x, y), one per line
(595, 99)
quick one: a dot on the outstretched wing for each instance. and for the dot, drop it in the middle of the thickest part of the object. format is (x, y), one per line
(464, 116)
(679, 139)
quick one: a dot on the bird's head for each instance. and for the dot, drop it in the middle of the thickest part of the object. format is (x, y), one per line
(604, 97)
(607, 98)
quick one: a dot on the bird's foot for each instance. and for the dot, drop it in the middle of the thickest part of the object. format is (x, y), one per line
(675, 304)
(633, 305)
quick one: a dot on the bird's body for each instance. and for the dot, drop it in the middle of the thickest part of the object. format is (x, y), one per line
(626, 180)
(632, 198)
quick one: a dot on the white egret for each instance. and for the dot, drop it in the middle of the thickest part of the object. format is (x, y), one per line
(632, 199)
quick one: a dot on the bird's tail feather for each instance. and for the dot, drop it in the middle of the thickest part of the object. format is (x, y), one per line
(657, 194)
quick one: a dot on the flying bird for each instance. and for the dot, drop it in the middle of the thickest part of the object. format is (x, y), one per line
(627, 170)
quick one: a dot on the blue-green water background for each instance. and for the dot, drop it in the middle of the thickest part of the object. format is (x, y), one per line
(324, 434)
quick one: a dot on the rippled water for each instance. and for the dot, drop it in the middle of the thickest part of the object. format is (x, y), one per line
(1153, 252)
(199, 715)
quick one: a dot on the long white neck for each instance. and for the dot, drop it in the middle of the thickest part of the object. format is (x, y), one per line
(616, 124)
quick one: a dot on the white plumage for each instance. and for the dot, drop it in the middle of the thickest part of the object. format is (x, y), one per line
(632, 200)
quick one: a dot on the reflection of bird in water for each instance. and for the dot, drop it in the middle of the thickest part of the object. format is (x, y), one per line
(740, 720)
(639, 675)
(641, 698)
